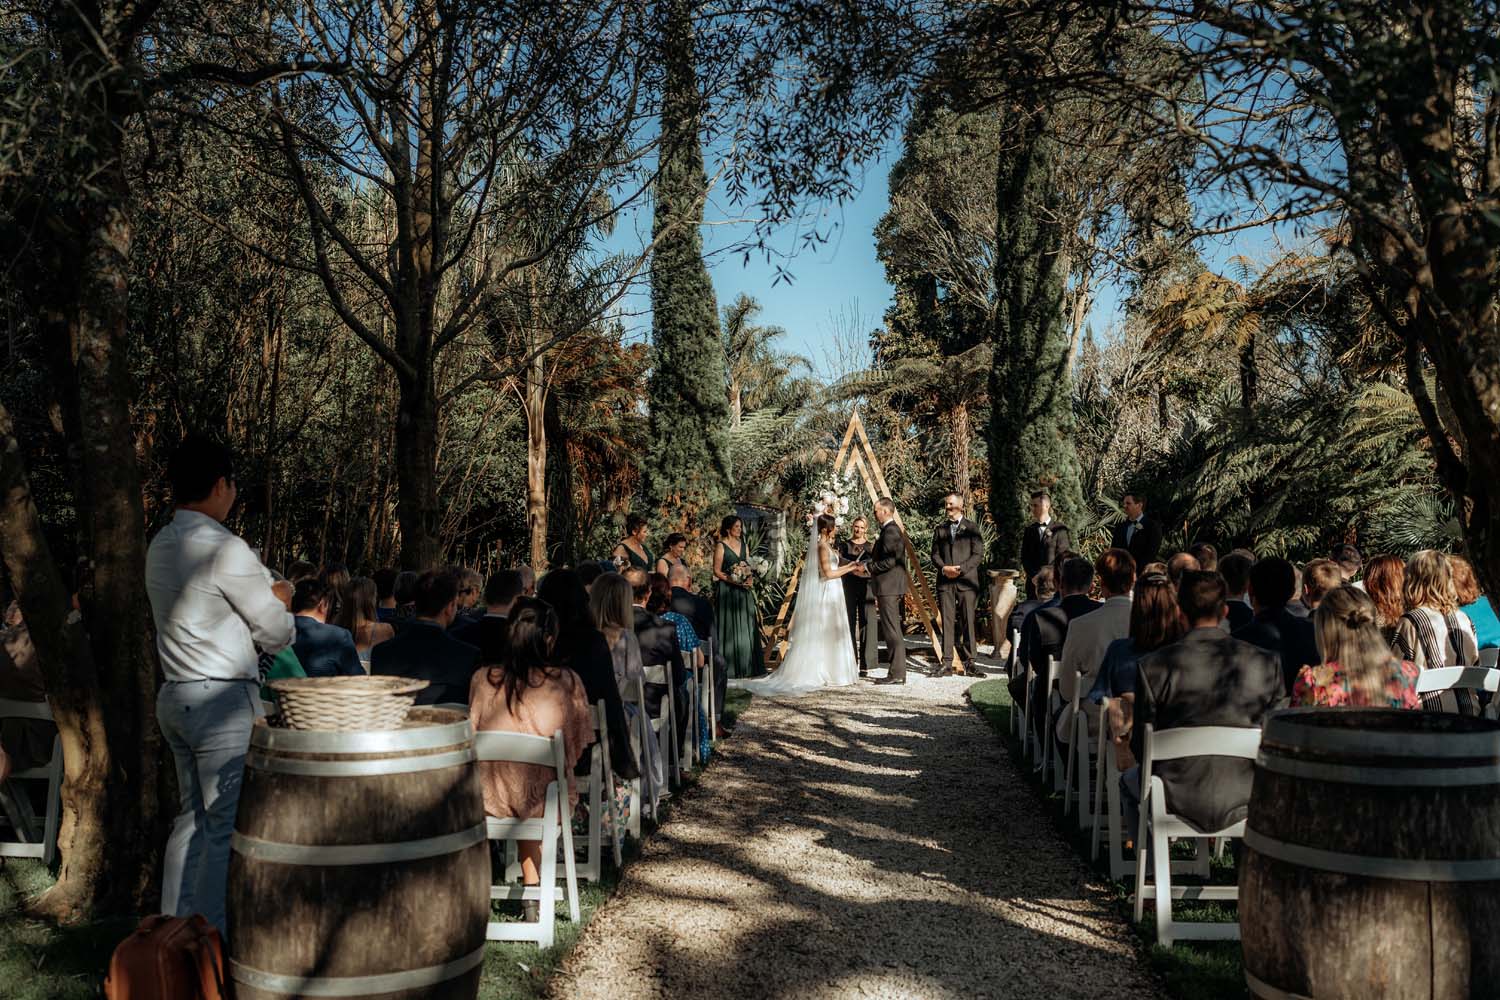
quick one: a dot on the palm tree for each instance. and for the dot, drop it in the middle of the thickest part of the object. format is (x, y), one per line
(756, 371)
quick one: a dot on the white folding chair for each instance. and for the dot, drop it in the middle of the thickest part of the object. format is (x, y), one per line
(1158, 827)
(601, 799)
(708, 687)
(1489, 657)
(1081, 758)
(1049, 737)
(1107, 793)
(1438, 679)
(32, 842)
(664, 723)
(557, 815)
(643, 735)
(1015, 659)
(688, 752)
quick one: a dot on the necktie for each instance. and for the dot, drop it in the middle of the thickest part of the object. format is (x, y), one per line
(953, 530)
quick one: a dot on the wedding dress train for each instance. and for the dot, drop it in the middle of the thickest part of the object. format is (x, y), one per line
(820, 652)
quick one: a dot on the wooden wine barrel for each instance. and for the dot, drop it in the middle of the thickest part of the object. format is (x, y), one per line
(360, 866)
(1372, 857)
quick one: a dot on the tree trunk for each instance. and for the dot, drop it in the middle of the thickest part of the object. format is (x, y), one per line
(963, 447)
(536, 461)
(416, 465)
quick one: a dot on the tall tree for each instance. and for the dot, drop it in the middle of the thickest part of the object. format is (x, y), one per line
(1030, 433)
(688, 464)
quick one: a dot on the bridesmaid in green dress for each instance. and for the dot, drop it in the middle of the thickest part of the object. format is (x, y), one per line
(739, 625)
(633, 546)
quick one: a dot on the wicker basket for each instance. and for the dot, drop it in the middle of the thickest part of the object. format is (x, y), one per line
(345, 704)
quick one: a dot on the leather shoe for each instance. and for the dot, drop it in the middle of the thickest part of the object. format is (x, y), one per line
(945, 672)
(890, 680)
(974, 670)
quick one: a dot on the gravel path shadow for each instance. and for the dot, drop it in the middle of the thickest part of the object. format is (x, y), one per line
(857, 842)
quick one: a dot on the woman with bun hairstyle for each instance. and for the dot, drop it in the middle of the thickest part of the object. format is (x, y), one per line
(1358, 668)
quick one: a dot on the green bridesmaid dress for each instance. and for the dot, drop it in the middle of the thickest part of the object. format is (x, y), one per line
(738, 624)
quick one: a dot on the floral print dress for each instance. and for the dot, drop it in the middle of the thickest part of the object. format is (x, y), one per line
(1325, 685)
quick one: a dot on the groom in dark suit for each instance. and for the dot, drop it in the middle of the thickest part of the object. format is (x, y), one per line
(957, 551)
(1042, 541)
(1137, 534)
(889, 581)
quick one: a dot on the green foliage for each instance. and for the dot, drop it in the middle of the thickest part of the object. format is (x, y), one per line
(1031, 426)
(688, 460)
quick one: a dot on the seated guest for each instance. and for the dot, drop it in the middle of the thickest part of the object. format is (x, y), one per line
(528, 692)
(589, 571)
(1046, 629)
(323, 650)
(1182, 562)
(1318, 578)
(405, 593)
(1158, 568)
(1044, 586)
(700, 611)
(1358, 668)
(660, 603)
(424, 650)
(470, 595)
(1433, 633)
(488, 632)
(1385, 581)
(581, 648)
(1296, 606)
(1091, 634)
(1350, 562)
(337, 577)
(1275, 628)
(610, 605)
(1235, 569)
(1154, 622)
(360, 617)
(298, 570)
(1474, 604)
(1206, 678)
(659, 648)
(672, 555)
(385, 594)
(1207, 556)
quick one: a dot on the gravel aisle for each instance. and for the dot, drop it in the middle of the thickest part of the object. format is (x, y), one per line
(858, 842)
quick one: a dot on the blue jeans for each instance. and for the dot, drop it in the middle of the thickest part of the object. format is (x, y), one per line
(207, 724)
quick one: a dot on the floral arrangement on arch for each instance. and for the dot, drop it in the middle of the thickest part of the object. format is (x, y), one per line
(831, 496)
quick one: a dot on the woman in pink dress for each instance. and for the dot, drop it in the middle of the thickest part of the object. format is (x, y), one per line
(527, 693)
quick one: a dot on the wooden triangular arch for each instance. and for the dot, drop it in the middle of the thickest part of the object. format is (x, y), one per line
(856, 454)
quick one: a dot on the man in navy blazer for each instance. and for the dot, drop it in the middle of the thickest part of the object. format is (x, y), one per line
(424, 650)
(1274, 628)
(323, 650)
(489, 633)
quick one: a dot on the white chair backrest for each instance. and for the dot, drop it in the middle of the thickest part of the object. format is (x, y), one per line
(1490, 657)
(1449, 678)
(518, 748)
(1200, 741)
(659, 674)
(25, 710)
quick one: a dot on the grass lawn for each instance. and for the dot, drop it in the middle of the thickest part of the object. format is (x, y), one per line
(1198, 970)
(41, 961)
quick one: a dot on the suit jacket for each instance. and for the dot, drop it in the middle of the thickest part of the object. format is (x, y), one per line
(1088, 638)
(425, 651)
(888, 562)
(1206, 679)
(695, 608)
(1038, 550)
(325, 650)
(1046, 629)
(1144, 545)
(966, 551)
(489, 634)
(658, 639)
(1289, 637)
(1240, 614)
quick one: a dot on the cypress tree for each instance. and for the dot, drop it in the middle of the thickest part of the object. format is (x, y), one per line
(687, 466)
(1031, 423)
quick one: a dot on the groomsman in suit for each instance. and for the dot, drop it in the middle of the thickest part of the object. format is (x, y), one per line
(957, 551)
(889, 581)
(1042, 541)
(1138, 534)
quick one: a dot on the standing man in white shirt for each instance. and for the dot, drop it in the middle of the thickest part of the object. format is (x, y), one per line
(214, 604)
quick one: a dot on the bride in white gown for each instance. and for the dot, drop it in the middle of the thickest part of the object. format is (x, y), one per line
(819, 652)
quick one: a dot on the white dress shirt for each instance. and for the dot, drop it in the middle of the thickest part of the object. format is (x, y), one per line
(212, 603)
(1083, 651)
